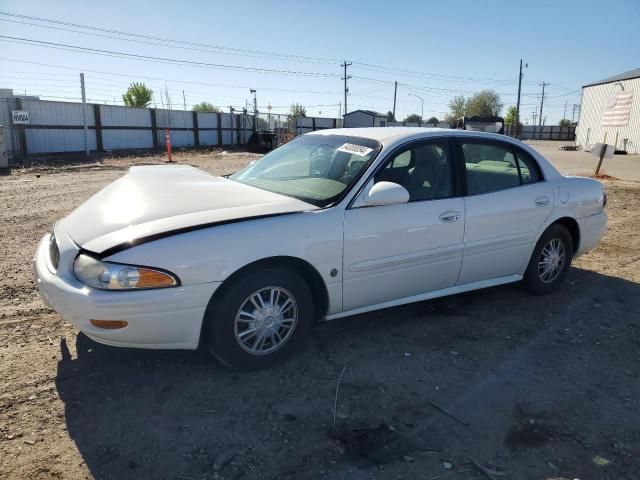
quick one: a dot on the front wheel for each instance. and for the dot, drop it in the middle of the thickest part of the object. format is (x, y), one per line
(260, 319)
(550, 261)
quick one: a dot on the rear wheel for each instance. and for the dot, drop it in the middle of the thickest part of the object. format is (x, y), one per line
(260, 319)
(550, 261)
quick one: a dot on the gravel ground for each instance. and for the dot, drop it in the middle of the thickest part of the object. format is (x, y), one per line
(535, 387)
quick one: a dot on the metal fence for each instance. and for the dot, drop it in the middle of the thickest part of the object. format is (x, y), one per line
(58, 127)
(546, 132)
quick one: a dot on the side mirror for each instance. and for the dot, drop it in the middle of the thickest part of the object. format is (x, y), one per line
(386, 193)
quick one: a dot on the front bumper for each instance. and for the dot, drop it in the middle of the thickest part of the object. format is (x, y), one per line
(161, 318)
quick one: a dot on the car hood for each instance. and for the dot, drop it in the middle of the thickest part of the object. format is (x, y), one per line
(152, 200)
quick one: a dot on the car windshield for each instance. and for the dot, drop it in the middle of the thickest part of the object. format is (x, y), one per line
(317, 169)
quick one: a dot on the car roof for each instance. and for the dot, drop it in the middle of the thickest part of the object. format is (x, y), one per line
(385, 134)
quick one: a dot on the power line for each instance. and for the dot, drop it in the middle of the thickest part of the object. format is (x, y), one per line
(173, 61)
(231, 50)
(197, 46)
(433, 76)
(145, 77)
(139, 41)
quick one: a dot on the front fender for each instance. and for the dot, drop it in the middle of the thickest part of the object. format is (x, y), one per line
(214, 254)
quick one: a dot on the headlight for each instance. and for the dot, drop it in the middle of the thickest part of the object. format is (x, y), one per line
(114, 276)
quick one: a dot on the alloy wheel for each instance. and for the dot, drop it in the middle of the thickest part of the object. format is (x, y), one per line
(551, 260)
(265, 320)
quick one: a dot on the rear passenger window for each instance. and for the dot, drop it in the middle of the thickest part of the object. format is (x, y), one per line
(489, 167)
(529, 170)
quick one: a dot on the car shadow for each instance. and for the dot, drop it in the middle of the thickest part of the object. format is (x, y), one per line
(495, 374)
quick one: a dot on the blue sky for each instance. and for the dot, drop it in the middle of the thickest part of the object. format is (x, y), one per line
(433, 49)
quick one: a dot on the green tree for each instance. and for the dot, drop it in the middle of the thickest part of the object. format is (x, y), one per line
(137, 95)
(413, 118)
(510, 116)
(486, 102)
(206, 107)
(458, 107)
(390, 116)
(510, 120)
(433, 121)
(297, 110)
(565, 122)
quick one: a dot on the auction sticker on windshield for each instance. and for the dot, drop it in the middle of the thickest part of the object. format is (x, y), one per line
(355, 149)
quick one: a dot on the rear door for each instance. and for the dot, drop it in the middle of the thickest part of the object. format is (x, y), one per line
(396, 251)
(506, 202)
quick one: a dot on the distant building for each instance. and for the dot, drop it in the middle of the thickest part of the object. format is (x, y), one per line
(365, 118)
(608, 104)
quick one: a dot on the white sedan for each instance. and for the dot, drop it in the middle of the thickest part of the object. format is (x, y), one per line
(331, 224)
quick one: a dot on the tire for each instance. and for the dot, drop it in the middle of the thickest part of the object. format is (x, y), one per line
(233, 336)
(539, 280)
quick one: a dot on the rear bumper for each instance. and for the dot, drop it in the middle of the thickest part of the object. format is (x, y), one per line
(162, 318)
(592, 229)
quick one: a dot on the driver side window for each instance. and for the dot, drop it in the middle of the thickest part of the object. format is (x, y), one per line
(425, 170)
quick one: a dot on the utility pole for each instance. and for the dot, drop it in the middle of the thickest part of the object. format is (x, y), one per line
(184, 100)
(535, 115)
(255, 109)
(395, 93)
(422, 109)
(84, 116)
(541, 106)
(345, 78)
(564, 115)
(518, 102)
(573, 113)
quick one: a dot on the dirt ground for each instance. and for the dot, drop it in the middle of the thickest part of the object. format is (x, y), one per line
(528, 387)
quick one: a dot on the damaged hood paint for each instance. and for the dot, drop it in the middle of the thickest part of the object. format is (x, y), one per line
(152, 200)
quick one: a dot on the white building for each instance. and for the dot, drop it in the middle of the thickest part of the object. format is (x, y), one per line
(365, 118)
(598, 97)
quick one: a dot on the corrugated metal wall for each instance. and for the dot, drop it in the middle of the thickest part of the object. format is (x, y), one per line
(208, 121)
(594, 100)
(309, 124)
(548, 132)
(60, 114)
(6, 105)
(57, 127)
(115, 139)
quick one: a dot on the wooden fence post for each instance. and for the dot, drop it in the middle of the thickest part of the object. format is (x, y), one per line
(237, 117)
(313, 123)
(98, 124)
(196, 132)
(154, 127)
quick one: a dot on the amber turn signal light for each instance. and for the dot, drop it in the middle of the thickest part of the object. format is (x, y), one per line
(153, 278)
(109, 324)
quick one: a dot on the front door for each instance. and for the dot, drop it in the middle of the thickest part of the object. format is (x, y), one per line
(396, 251)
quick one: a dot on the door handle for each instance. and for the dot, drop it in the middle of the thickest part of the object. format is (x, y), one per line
(542, 201)
(450, 216)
